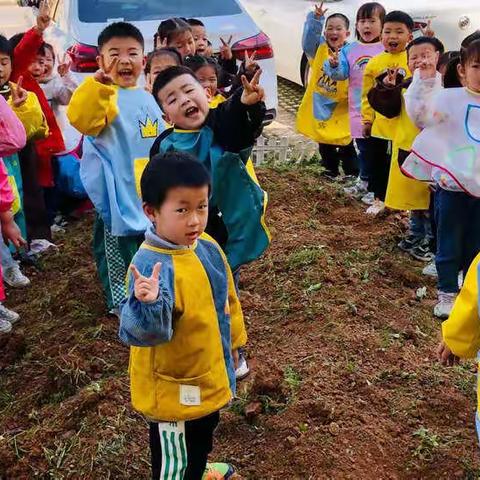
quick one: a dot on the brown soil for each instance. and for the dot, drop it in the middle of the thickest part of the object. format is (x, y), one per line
(344, 382)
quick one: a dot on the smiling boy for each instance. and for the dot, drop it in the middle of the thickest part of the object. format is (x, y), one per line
(121, 122)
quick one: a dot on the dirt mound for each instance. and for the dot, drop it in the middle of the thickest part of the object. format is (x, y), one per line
(344, 382)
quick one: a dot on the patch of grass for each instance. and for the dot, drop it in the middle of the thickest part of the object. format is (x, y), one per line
(293, 379)
(304, 257)
(465, 380)
(428, 443)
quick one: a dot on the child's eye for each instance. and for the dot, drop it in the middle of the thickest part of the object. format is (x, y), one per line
(203, 207)
(181, 210)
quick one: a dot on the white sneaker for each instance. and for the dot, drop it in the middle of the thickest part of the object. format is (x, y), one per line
(368, 199)
(359, 188)
(8, 315)
(242, 371)
(377, 207)
(14, 277)
(430, 270)
(445, 304)
(5, 326)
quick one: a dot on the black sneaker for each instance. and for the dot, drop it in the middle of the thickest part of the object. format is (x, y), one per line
(422, 252)
(409, 243)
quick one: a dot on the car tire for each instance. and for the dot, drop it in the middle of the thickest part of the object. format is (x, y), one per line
(305, 70)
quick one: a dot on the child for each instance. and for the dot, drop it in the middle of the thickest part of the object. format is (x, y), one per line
(405, 193)
(396, 33)
(200, 37)
(12, 139)
(158, 61)
(323, 113)
(447, 152)
(121, 122)
(350, 64)
(175, 33)
(182, 310)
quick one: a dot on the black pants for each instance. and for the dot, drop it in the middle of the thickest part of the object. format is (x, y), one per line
(334, 155)
(198, 441)
(379, 154)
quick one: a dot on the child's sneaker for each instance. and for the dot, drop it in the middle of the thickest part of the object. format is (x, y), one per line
(14, 277)
(359, 188)
(422, 252)
(242, 371)
(376, 208)
(8, 316)
(218, 471)
(368, 199)
(409, 243)
(5, 326)
(445, 304)
(430, 270)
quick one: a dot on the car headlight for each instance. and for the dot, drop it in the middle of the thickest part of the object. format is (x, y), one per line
(464, 22)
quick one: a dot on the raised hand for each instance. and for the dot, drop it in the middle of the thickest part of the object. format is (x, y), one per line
(333, 58)
(19, 94)
(428, 31)
(390, 79)
(103, 74)
(146, 288)
(226, 50)
(64, 64)
(320, 11)
(250, 63)
(43, 17)
(252, 92)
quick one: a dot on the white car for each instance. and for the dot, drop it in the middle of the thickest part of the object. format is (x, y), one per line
(282, 21)
(77, 24)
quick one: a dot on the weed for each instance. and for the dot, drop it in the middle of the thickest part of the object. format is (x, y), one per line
(304, 257)
(465, 380)
(428, 443)
(293, 379)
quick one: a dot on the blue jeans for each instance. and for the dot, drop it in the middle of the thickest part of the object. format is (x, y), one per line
(458, 236)
(363, 159)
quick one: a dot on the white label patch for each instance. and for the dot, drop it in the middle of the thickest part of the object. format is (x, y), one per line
(190, 395)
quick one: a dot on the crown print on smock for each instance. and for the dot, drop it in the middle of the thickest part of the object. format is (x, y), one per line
(148, 129)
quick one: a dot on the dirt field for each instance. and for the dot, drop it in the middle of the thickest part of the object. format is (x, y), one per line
(344, 383)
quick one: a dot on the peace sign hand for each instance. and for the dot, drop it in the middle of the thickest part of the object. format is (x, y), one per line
(64, 64)
(226, 50)
(43, 17)
(250, 63)
(428, 31)
(390, 79)
(103, 74)
(333, 58)
(146, 289)
(19, 94)
(320, 11)
(252, 92)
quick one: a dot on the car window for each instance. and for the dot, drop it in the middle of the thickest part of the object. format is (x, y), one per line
(90, 11)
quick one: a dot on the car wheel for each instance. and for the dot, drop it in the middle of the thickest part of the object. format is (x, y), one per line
(305, 70)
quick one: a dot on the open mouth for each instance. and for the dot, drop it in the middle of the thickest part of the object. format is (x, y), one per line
(192, 235)
(393, 45)
(125, 74)
(191, 112)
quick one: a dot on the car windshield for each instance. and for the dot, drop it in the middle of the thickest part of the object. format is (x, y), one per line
(91, 11)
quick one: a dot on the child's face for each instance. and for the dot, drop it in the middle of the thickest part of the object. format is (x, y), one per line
(158, 65)
(130, 60)
(49, 63)
(184, 102)
(183, 216)
(470, 75)
(369, 28)
(395, 37)
(336, 33)
(183, 43)
(37, 67)
(207, 76)
(421, 54)
(5, 68)
(201, 40)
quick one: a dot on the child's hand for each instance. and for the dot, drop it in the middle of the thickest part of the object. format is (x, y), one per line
(428, 31)
(445, 355)
(64, 64)
(19, 94)
(252, 92)
(320, 11)
(333, 58)
(390, 79)
(43, 17)
(367, 130)
(209, 92)
(11, 232)
(146, 288)
(225, 50)
(102, 75)
(250, 64)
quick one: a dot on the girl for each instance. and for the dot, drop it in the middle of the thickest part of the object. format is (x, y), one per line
(350, 64)
(323, 113)
(158, 61)
(447, 152)
(175, 33)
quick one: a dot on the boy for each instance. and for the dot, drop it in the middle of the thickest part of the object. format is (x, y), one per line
(323, 113)
(121, 122)
(183, 312)
(396, 34)
(404, 193)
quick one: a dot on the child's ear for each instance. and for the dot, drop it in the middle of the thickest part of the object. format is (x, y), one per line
(149, 212)
(99, 60)
(461, 73)
(410, 37)
(348, 33)
(144, 62)
(166, 119)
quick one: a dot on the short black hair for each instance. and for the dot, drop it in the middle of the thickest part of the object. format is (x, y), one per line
(195, 62)
(6, 47)
(447, 57)
(120, 30)
(165, 77)
(435, 42)
(194, 22)
(162, 52)
(470, 49)
(171, 170)
(368, 10)
(168, 29)
(397, 16)
(341, 16)
(43, 50)
(15, 40)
